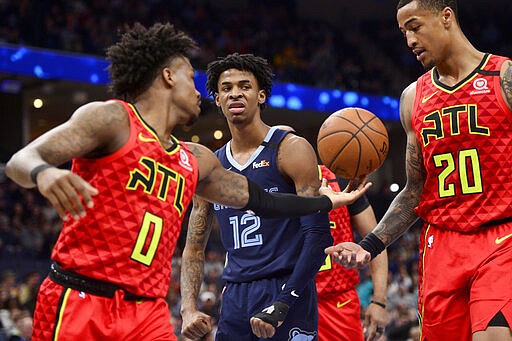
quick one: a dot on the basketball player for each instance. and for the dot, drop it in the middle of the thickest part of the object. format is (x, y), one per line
(271, 263)
(112, 266)
(339, 310)
(458, 121)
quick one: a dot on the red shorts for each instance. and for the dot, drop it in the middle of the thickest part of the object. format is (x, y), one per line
(67, 314)
(339, 317)
(464, 280)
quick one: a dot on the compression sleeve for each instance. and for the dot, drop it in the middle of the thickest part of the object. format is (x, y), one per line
(317, 237)
(276, 205)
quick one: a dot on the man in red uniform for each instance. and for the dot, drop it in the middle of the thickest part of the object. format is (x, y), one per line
(339, 310)
(458, 121)
(112, 261)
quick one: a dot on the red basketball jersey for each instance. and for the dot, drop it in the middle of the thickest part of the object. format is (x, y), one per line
(466, 136)
(333, 277)
(129, 237)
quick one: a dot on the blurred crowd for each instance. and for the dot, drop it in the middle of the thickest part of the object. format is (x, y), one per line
(370, 57)
(29, 227)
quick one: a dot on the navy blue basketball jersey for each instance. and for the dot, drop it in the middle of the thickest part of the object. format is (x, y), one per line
(256, 247)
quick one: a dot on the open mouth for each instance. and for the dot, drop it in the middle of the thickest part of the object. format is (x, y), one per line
(236, 107)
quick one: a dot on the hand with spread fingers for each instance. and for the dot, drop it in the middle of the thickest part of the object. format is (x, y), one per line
(375, 320)
(348, 254)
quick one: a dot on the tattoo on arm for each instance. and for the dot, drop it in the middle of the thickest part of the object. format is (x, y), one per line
(400, 214)
(192, 274)
(506, 84)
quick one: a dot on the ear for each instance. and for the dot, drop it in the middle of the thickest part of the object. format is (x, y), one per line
(217, 100)
(167, 76)
(448, 17)
(262, 96)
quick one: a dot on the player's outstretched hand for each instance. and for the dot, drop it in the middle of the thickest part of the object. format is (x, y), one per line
(350, 194)
(196, 325)
(348, 254)
(66, 191)
(264, 324)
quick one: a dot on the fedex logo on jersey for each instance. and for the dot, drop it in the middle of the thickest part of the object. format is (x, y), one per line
(262, 163)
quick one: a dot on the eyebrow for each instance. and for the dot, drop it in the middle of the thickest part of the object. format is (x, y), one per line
(410, 21)
(240, 81)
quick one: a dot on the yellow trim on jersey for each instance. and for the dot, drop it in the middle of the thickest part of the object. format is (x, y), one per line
(475, 73)
(60, 313)
(152, 132)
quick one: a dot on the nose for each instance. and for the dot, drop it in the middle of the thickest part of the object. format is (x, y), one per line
(235, 92)
(411, 39)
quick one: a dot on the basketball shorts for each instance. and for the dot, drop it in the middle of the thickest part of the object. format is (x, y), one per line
(67, 314)
(339, 317)
(464, 280)
(241, 301)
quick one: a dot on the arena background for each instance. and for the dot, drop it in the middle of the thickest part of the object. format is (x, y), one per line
(321, 46)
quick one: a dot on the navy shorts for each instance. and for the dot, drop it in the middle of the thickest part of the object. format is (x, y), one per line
(241, 301)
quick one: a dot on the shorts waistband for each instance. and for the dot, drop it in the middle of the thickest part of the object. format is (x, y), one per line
(89, 285)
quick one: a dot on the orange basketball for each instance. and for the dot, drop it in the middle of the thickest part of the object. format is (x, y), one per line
(352, 142)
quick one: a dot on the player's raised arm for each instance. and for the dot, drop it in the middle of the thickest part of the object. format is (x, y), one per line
(219, 185)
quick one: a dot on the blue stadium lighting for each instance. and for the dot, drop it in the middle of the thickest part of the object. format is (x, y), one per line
(22, 60)
(324, 98)
(350, 98)
(277, 101)
(294, 103)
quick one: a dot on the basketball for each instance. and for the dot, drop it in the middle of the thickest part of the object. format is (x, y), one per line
(352, 142)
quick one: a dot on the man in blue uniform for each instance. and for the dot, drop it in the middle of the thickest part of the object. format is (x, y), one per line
(271, 263)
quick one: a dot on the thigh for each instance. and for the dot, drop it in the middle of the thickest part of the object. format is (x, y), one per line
(491, 288)
(339, 317)
(234, 318)
(443, 300)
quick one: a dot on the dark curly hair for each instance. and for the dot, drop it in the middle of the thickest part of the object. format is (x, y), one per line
(258, 66)
(141, 54)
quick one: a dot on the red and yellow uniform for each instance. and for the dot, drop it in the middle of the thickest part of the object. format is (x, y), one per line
(339, 311)
(466, 140)
(127, 239)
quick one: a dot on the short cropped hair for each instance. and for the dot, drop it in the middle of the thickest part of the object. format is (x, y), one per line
(433, 5)
(258, 66)
(140, 55)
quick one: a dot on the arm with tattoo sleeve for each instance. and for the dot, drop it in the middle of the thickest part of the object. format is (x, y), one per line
(506, 82)
(195, 323)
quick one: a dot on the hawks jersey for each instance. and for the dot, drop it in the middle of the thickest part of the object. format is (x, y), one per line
(129, 237)
(465, 135)
(333, 277)
(258, 247)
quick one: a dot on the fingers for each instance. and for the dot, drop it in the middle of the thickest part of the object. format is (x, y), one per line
(261, 328)
(198, 328)
(348, 254)
(67, 192)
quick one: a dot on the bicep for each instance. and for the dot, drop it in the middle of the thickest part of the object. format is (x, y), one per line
(297, 160)
(217, 184)
(506, 82)
(88, 129)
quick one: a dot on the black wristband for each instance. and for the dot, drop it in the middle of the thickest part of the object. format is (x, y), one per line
(372, 244)
(36, 170)
(383, 305)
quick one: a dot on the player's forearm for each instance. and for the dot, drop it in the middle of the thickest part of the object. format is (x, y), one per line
(191, 279)
(19, 167)
(379, 275)
(311, 258)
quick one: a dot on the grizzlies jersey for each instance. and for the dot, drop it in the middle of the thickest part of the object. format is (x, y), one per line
(465, 132)
(256, 247)
(333, 277)
(129, 237)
